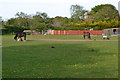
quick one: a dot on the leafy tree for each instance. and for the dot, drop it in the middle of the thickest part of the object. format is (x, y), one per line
(42, 15)
(22, 20)
(21, 14)
(57, 21)
(107, 13)
(98, 7)
(40, 21)
(100, 17)
(77, 13)
(0, 18)
(60, 22)
(90, 16)
(13, 29)
(1, 22)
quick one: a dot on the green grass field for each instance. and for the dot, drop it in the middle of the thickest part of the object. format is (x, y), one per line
(70, 37)
(36, 58)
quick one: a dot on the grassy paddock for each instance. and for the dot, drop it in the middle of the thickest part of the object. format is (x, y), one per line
(36, 59)
(69, 37)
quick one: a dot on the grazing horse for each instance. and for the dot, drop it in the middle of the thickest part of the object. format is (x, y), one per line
(19, 36)
(86, 34)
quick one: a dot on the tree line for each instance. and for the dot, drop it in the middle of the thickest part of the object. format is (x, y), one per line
(100, 17)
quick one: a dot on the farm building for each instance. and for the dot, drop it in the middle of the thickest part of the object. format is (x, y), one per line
(111, 31)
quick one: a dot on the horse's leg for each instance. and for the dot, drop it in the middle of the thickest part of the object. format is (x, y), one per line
(18, 39)
(15, 37)
(84, 36)
(89, 37)
(21, 39)
(24, 36)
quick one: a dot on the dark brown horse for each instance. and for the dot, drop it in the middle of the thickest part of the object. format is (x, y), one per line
(19, 36)
(86, 34)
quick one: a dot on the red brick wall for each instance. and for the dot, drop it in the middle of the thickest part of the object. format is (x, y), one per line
(75, 32)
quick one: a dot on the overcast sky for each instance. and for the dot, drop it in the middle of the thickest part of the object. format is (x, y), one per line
(8, 8)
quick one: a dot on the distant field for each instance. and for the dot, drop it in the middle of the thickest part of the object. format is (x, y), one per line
(36, 58)
(69, 37)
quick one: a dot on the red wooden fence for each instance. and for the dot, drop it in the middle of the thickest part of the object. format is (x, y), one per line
(75, 32)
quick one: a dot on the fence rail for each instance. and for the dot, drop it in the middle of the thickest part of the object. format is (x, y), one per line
(75, 32)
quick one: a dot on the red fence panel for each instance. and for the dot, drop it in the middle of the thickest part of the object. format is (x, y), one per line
(76, 32)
